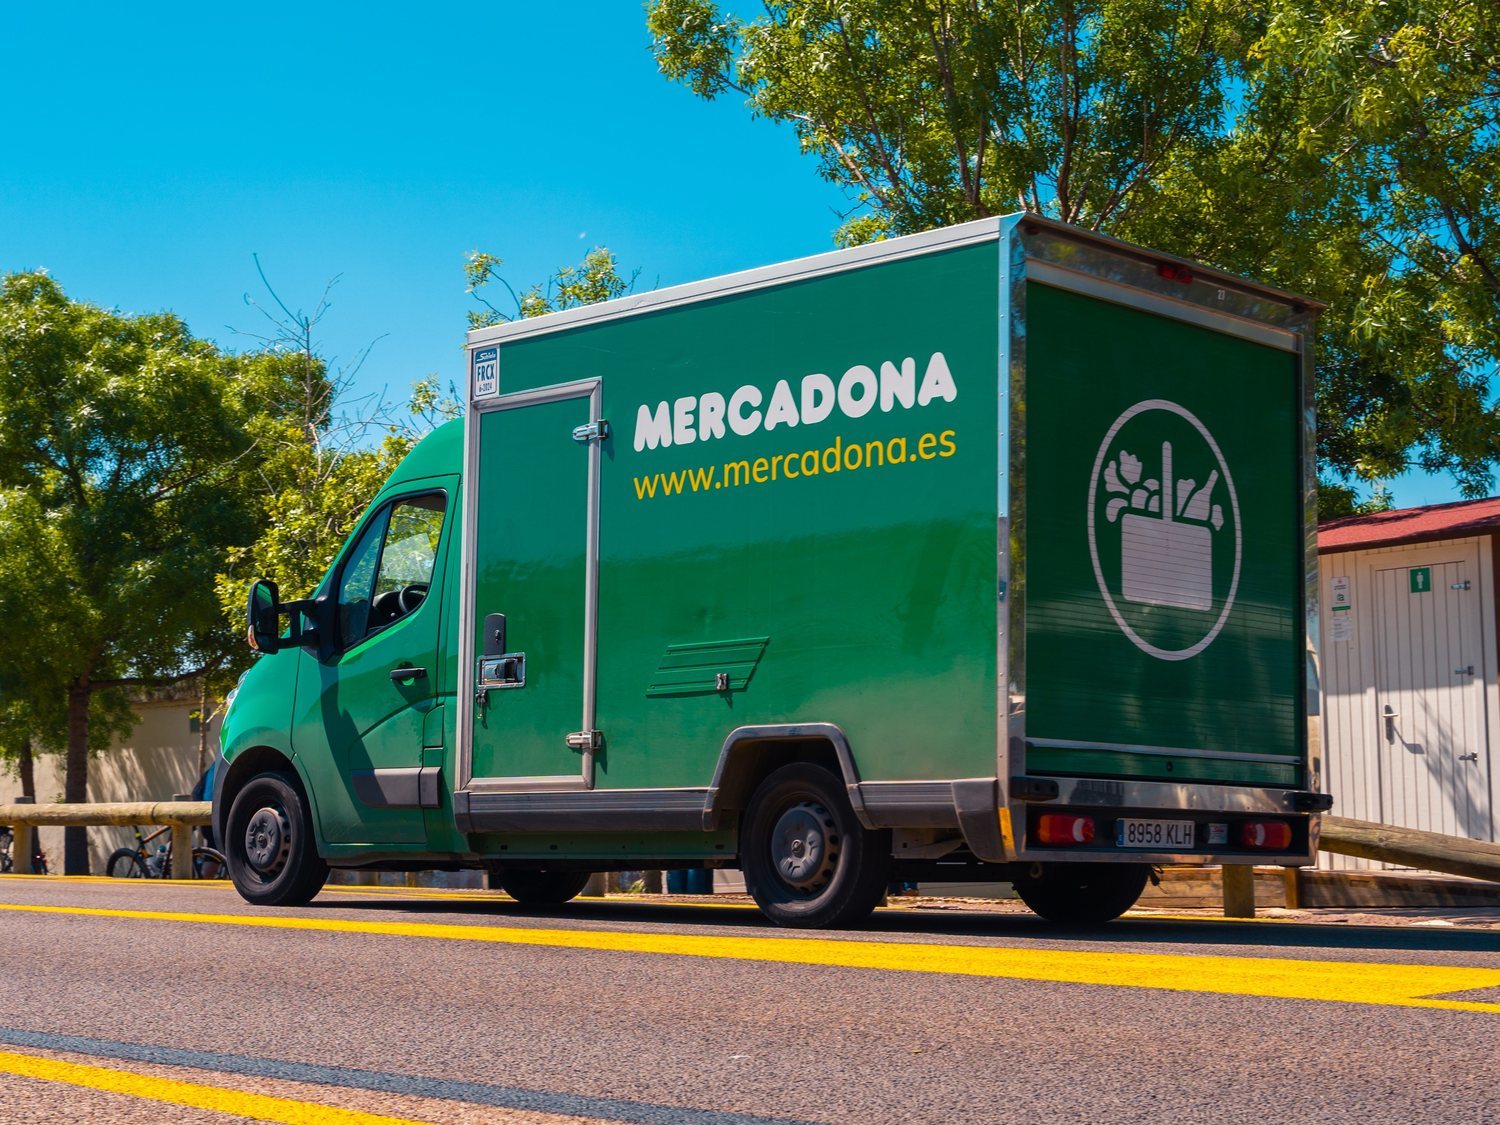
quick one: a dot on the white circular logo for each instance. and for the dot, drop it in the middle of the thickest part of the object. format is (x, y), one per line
(1157, 499)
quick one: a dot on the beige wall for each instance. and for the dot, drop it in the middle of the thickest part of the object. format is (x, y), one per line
(158, 759)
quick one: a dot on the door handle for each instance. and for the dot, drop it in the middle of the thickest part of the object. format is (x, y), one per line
(400, 675)
(1390, 716)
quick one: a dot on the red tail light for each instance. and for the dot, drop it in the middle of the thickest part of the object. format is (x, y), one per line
(1062, 829)
(1269, 835)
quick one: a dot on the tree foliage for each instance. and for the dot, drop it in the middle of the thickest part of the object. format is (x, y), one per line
(1346, 150)
(321, 455)
(117, 448)
(597, 278)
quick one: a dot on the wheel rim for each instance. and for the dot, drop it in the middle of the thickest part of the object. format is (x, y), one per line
(268, 840)
(805, 846)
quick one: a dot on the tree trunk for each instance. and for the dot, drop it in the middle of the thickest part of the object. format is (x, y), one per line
(76, 780)
(25, 766)
(202, 730)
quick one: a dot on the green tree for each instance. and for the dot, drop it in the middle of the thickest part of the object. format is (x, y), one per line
(1341, 150)
(320, 456)
(116, 434)
(33, 692)
(597, 278)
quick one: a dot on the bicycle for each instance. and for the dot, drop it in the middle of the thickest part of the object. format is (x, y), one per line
(141, 863)
(7, 863)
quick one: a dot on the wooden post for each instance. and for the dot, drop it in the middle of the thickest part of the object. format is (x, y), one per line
(1291, 881)
(182, 845)
(22, 842)
(1239, 890)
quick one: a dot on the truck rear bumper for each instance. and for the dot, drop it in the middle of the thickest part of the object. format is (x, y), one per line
(1215, 823)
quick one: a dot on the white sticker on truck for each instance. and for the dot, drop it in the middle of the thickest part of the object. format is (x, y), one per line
(486, 372)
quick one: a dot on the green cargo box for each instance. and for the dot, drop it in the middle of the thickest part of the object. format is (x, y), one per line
(981, 552)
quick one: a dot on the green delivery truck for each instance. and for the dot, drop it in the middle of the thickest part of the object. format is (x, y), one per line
(980, 554)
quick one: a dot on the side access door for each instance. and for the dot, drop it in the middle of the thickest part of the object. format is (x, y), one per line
(362, 705)
(533, 560)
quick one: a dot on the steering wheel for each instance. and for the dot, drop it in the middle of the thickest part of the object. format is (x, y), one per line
(412, 596)
(384, 609)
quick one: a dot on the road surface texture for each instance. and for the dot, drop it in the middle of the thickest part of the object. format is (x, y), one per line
(150, 1001)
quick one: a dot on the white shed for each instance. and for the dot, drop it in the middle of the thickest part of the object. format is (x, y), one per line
(1408, 642)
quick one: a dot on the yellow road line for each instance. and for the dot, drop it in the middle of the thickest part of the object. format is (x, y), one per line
(1358, 982)
(262, 1107)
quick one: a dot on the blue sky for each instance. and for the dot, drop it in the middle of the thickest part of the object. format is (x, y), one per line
(148, 152)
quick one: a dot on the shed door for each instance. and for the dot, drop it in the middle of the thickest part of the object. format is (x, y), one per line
(1429, 696)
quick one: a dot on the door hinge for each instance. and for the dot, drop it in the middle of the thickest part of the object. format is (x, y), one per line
(585, 740)
(592, 431)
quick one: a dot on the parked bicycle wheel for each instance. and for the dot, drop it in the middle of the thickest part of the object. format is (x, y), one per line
(209, 863)
(125, 863)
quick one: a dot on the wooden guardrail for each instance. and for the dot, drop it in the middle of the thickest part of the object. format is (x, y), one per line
(1429, 851)
(1364, 839)
(181, 816)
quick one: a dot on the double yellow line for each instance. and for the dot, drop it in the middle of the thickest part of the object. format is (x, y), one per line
(1357, 982)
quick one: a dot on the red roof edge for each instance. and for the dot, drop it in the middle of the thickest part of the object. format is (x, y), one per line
(1411, 525)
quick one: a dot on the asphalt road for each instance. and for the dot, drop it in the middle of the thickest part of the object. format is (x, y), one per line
(150, 1002)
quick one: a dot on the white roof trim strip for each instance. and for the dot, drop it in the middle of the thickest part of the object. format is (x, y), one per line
(944, 238)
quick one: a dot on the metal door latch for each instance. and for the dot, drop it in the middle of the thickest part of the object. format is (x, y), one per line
(585, 740)
(1464, 585)
(592, 431)
(1473, 757)
(1466, 670)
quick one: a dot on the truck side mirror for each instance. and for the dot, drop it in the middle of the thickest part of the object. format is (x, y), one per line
(262, 616)
(494, 635)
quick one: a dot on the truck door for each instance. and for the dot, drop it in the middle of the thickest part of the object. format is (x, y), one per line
(535, 560)
(362, 707)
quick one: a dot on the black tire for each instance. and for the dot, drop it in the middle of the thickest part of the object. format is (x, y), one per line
(543, 888)
(125, 863)
(808, 862)
(1083, 894)
(208, 863)
(269, 844)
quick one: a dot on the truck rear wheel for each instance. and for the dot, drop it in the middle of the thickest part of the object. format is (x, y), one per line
(543, 888)
(268, 840)
(807, 859)
(1083, 894)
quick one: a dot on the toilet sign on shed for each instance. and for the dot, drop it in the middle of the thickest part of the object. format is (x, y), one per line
(1420, 578)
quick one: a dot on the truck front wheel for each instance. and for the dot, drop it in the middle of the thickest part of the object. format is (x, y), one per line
(269, 844)
(807, 859)
(1083, 894)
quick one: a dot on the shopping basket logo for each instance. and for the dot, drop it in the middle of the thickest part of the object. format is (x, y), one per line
(1162, 506)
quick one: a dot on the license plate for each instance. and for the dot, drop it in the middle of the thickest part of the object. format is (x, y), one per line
(1168, 834)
